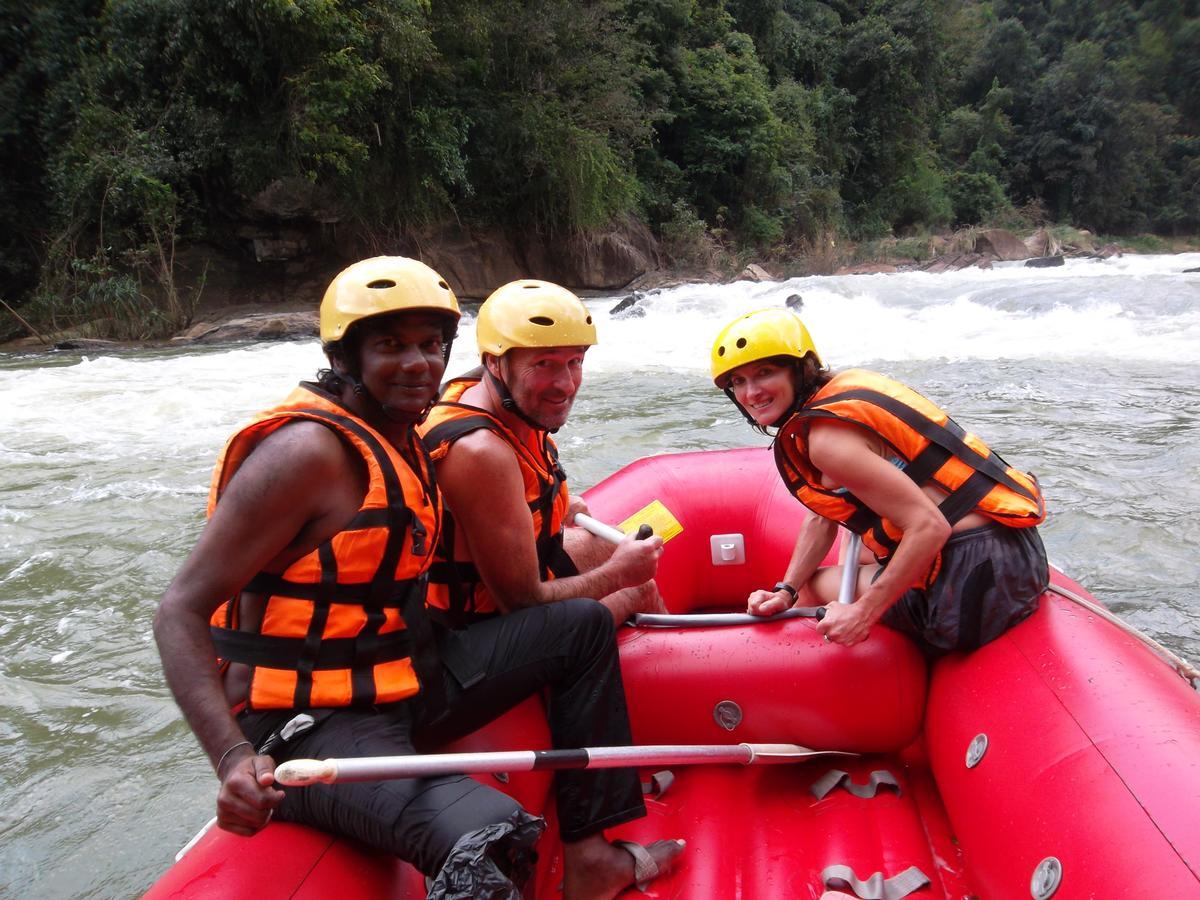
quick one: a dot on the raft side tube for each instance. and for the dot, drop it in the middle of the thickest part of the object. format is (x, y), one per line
(741, 493)
(772, 683)
(1092, 757)
(768, 682)
(301, 863)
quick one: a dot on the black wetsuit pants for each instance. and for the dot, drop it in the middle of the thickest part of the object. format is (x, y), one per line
(566, 647)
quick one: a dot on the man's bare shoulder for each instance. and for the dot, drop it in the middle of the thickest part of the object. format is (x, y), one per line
(481, 448)
(298, 453)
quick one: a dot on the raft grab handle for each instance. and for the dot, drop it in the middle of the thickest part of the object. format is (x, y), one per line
(842, 878)
(1182, 667)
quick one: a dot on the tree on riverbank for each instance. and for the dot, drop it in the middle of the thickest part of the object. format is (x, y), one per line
(129, 126)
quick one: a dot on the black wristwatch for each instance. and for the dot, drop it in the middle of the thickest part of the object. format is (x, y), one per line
(784, 586)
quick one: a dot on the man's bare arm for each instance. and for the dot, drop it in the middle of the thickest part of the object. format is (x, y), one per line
(481, 481)
(271, 500)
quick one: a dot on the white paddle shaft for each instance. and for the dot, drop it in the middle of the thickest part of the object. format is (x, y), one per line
(850, 569)
(599, 529)
(300, 772)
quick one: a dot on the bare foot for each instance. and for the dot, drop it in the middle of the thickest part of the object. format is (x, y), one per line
(594, 869)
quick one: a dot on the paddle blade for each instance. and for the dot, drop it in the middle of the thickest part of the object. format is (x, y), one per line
(658, 517)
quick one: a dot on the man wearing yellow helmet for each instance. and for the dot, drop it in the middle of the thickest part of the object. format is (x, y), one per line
(949, 523)
(506, 548)
(492, 426)
(297, 627)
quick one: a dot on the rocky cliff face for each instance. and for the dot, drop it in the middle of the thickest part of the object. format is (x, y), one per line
(293, 232)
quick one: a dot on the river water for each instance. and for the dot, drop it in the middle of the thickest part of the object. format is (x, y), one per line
(1085, 375)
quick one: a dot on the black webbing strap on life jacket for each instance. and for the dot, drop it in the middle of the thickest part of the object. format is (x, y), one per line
(427, 661)
(551, 555)
(277, 652)
(459, 576)
(367, 649)
(860, 521)
(945, 441)
(950, 436)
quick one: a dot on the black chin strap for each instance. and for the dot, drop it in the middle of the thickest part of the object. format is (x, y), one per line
(507, 401)
(360, 390)
(745, 414)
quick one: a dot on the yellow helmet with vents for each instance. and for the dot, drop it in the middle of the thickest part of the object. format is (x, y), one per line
(531, 313)
(759, 335)
(383, 284)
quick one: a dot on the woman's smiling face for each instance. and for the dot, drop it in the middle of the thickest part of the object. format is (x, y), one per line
(764, 389)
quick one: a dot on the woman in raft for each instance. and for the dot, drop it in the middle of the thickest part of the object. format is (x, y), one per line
(951, 526)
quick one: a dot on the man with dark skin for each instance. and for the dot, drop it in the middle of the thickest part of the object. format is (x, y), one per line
(330, 496)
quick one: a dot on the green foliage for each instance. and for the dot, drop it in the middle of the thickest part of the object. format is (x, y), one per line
(685, 238)
(551, 96)
(129, 125)
(975, 197)
(918, 197)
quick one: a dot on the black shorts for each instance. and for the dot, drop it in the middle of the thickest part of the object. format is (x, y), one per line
(991, 578)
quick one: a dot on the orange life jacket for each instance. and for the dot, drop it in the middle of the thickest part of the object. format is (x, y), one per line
(457, 595)
(342, 624)
(930, 447)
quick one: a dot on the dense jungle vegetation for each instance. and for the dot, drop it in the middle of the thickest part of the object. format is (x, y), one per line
(127, 126)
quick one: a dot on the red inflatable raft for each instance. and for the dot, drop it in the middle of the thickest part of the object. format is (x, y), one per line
(1061, 760)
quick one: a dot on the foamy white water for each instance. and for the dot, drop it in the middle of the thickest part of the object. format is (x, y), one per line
(1134, 308)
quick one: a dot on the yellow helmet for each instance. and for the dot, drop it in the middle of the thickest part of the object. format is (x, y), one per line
(529, 313)
(760, 335)
(379, 285)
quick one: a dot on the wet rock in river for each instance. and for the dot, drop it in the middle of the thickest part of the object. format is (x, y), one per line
(628, 308)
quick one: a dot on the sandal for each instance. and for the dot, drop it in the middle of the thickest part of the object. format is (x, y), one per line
(645, 869)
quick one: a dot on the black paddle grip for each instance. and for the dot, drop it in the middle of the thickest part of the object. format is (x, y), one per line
(644, 531)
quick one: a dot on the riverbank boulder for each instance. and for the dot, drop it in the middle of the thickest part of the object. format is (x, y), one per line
(956, 262)
(867, 268)
(1000, 244)
(755, 272)
(477, 262)
(271, 326)
(628, 308)
(1042, 244)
